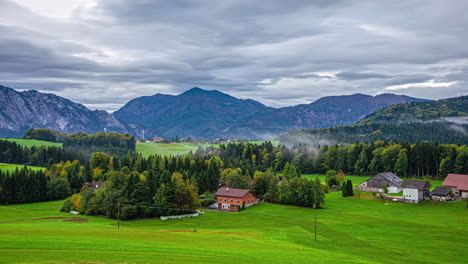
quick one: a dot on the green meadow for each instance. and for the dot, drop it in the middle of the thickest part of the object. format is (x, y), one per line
(147, 149)
(12, 167)
(349, 230)
(33, 142)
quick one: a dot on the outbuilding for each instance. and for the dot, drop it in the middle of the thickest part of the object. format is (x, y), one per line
(441, 194)
(375, 184)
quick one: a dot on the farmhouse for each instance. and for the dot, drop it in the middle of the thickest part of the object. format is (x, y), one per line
(458, 183)
(232, 199)
(415, 191)
(374, 184)
(441, 194)
(157, 139)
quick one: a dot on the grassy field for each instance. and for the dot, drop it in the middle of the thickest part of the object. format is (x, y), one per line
(349, 231)
(175, 149)
(32, 142)
(12, 167)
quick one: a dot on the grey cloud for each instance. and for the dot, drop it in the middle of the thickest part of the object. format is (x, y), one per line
(118, 50)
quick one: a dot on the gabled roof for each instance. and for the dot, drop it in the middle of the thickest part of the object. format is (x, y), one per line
(442, 191)
(232, 192)
(459, 181)
(412, 184)
(395, 180)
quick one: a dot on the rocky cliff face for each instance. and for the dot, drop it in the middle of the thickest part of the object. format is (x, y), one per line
(20, 111)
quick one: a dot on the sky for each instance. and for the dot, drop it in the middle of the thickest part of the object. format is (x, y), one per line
(103, 53)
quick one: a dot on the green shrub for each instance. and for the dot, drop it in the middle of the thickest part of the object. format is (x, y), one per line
(67, 205)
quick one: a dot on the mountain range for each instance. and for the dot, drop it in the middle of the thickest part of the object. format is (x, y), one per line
(196, 113)
(443, 121)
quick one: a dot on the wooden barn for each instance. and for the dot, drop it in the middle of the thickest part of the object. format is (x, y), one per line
(374, 184)
(231, 199)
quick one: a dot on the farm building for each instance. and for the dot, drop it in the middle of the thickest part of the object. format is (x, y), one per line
(374, 184)
(157, 139)
(441, 194)
(458, 183)
(232, 199)
(415, 191)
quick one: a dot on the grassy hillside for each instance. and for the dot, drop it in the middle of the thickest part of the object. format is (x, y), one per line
(349, 231)
(32, 142)
(421, 111)
(12, 167)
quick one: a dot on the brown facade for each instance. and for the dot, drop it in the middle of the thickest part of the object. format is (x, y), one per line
(230, 203)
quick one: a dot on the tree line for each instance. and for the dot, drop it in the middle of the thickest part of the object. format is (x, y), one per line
(405, 159)
(11, 152)
(110, 143)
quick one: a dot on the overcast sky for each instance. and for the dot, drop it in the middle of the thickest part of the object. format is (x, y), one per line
(103, 53)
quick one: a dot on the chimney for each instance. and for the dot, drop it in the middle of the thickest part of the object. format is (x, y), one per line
(227, 189)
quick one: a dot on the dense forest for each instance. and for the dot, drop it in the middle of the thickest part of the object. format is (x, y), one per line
(11, 152)
(440, 131)
(110, 143)
(26, 185)
(405, 159)
(423, 111)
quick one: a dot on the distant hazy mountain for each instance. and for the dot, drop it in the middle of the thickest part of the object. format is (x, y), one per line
(325, 112)
(20, 111)
(443, 121)
(197, 113)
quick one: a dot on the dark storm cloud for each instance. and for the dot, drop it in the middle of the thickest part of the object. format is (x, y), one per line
(278, 52)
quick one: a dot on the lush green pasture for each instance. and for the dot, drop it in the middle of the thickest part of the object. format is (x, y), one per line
(32, 142)
(176, 149)
(12, 167)
(349, 231)
(165, 148)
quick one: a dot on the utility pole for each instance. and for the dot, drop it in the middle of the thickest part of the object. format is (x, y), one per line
(118, 215)
(315, 227)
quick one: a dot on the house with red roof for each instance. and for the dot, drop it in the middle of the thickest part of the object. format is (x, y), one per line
(232, 199)
(458, 183)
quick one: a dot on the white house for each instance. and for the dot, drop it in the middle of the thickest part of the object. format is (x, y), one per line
(415, 191)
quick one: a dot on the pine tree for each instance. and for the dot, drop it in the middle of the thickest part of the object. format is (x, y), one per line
(344, 189)
(349, 188)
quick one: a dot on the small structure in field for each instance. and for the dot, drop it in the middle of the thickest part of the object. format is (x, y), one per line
(415, 191)
(157, 139)
(231, 199)
(95, 185)
(458, 183)
(387, 179)
(441, 194)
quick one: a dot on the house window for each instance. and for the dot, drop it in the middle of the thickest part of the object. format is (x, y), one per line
(238, 201)
(231, 201)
